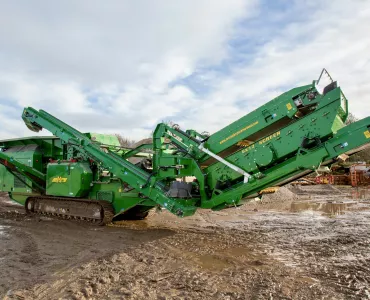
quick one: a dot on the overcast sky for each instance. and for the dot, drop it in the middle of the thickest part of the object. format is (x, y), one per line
(123, 66)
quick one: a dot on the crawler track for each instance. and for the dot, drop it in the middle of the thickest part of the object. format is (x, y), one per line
(97, 212)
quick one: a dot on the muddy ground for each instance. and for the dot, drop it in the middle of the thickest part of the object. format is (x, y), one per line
(299, 243)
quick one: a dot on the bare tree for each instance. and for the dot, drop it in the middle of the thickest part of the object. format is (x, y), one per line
(351, 119)
(125, 142)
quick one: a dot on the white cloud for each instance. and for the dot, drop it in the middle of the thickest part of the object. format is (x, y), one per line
(118, 68)
(331, 37)
(107, 66)
(334, 35)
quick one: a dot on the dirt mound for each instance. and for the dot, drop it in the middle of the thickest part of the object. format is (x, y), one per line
(319, 189)
(282, 194)
(280, 200)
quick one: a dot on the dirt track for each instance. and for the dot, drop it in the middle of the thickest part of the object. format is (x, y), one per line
(251, 252)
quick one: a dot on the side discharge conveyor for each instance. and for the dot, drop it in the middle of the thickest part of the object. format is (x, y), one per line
(77, 176)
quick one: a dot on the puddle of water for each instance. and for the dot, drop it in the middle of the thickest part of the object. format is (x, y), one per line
(212, 262)
(2, 232)
(329, 208)
(360, 193)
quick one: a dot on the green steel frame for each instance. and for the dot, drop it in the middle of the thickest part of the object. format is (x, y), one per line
(284, 139)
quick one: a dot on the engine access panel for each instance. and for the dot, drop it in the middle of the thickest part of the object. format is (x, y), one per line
(68, 179)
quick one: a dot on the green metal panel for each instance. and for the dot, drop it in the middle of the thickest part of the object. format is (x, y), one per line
(6, 180)
(68, 179)
(28, 159)
(49, 145)
(280, 144)
(273, 112)
(337, 124)
(105, 139)
(20, 197)
(112, 190)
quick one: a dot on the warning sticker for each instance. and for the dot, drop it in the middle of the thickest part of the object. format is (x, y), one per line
(289, 106)
(367, 134)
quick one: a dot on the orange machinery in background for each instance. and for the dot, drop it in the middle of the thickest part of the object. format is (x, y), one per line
(359, 174)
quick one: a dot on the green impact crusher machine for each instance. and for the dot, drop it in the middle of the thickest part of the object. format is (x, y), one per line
(89, 176)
